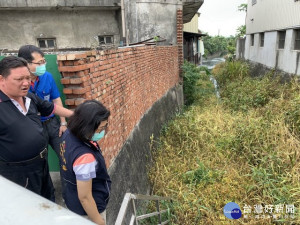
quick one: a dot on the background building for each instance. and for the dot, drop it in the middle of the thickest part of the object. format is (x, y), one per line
(273, 34)
(57, 25)
(192, 41)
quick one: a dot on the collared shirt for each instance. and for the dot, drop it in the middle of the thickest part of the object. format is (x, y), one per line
(21, 136)
(45, 88)
(27, 104)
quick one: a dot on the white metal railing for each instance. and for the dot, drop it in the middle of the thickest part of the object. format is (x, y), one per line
(134, 218)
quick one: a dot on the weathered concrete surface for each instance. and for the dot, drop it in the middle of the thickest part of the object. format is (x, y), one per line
(71, 28)
(17, 4)
(129, 170)
(145, 19)
(76, 23)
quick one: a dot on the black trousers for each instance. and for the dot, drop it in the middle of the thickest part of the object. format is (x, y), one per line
(33, 176)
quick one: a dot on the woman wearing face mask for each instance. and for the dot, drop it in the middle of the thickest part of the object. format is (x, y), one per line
(82, 164)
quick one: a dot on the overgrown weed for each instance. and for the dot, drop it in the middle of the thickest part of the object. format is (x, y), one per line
(244, 150)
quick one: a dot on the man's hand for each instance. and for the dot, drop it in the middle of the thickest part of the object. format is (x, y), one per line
(62, 129)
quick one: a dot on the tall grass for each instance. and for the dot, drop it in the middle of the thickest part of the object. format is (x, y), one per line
(243, 149)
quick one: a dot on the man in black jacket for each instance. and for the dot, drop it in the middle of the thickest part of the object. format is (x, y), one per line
(23, 146)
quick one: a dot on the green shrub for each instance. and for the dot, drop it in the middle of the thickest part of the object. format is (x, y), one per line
(196, 83)
(230, 71)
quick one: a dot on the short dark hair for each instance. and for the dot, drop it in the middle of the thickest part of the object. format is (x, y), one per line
(26, 50)
(87, 118)
(11, 62)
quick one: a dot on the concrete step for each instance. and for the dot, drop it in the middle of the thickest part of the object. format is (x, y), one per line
(55, 176)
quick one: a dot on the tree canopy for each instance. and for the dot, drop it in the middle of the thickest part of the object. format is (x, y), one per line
(219, 45)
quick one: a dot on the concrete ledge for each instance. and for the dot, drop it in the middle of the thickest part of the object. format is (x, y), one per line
(34, 4)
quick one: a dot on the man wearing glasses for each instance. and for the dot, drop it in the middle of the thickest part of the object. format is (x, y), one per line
(43, 86)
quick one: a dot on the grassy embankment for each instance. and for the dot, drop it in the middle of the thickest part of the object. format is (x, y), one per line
(242, 148)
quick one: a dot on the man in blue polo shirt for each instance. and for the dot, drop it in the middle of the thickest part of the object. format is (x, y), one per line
(43, 85)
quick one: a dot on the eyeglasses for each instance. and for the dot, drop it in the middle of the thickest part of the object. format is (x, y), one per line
(41, 62)
(102, 127)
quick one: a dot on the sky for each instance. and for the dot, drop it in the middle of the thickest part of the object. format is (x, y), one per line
(221, 17)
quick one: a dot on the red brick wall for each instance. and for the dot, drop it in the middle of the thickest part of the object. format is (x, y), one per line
(127, 81)
(180, 38)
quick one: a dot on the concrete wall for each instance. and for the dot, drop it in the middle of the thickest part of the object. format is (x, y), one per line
(286, 59)
(146, 19)
(71, 28)
(267, 15)
(240, 48)
(130, 168)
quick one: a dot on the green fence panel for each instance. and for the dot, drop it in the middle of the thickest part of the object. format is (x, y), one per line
(53, 69)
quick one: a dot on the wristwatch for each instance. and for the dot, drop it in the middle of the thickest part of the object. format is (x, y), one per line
(63, 124)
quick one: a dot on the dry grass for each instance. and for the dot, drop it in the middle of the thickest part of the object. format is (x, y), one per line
(215, 153)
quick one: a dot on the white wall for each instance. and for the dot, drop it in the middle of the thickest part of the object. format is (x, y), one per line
(267, 55)
(287, 57)
(268, 15)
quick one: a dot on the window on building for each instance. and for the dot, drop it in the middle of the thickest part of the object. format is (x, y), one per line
(253, 2)
(262, 39)
(281, 39)
(47, 42)
(252, 39)
(297, 39)
(106, 40)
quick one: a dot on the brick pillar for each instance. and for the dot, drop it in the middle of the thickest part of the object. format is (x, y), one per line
(180, 39)
(76, 70)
